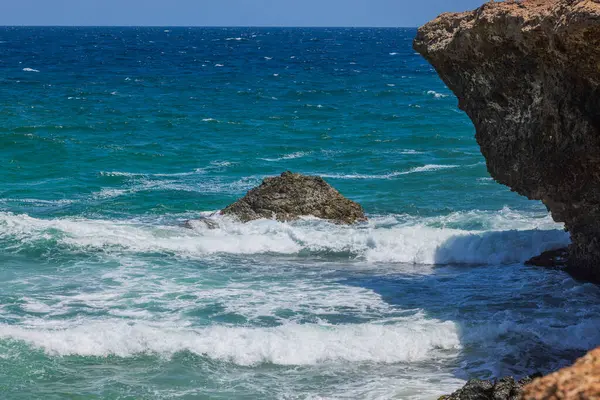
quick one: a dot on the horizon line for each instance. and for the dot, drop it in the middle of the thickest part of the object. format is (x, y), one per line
(210, 26)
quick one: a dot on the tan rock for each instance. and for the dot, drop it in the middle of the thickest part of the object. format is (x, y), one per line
(581, 381)
(528, 75)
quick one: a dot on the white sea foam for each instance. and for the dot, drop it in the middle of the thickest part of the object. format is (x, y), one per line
(109, 193)
(143, 185)
(290, 156)
(234, 38)
(550, 331)
(436, 94)
(120, 173)
(146, 183)
(424, 168)
(319, 296)
(291, 344)
(30, 70)
(406, 239)
(410, 151)
(393, 54)
(39, 202)
(32, 305)
(214, 165)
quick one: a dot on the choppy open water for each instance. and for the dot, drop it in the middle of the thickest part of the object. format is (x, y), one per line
(111, 137)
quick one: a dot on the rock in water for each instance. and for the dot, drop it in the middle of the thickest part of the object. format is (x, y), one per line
(580, 381)
(503, 389)
(528, 75)
(552, 259)
(290, 196)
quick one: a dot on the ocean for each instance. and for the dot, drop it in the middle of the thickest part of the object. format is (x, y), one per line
(111, 138)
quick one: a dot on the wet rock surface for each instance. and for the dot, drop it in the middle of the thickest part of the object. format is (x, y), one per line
(290, 196)
(528, 75)
(503, 389)
(551, 259)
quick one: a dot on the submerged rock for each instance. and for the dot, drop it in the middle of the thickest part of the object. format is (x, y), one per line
(580, 381)
(553, 259)
(528, 75)
(201, 223)
(290, 196)
(503, 389)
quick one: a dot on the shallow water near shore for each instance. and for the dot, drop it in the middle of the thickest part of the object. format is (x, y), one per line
(112, 137)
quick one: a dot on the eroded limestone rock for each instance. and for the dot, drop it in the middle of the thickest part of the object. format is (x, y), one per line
(528, 75)
(581, 381)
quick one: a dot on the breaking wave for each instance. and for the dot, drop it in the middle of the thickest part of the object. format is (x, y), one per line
(500, 238)
(290, 344)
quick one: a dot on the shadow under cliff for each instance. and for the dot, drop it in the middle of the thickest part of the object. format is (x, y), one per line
(511, 319)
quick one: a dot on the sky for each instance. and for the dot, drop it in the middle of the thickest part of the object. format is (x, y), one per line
(375, 13)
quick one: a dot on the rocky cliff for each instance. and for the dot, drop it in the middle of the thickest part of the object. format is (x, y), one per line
(528, 75)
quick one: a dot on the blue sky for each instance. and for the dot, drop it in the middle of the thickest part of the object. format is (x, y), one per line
(228, 12)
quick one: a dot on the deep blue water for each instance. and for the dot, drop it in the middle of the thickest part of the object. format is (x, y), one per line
(110, 138)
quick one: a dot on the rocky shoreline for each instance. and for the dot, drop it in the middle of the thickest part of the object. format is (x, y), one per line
(581, 381)
(502, 389)
(527, 73)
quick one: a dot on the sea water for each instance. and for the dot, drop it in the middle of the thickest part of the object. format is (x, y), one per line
(110, 138)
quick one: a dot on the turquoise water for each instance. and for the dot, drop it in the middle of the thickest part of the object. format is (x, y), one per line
(110, 138)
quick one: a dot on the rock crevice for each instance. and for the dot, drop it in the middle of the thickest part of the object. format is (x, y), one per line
(528, 75)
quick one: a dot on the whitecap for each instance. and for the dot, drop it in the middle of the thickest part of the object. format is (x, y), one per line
(30, 70)
(510, 237)
(38, 202)
(390, 175)
(290, 156)
(108, 193)
(290, 344)
(436, 94)
(410, 151)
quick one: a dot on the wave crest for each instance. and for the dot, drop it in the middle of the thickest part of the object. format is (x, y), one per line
(290, 344)
(385, 239)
